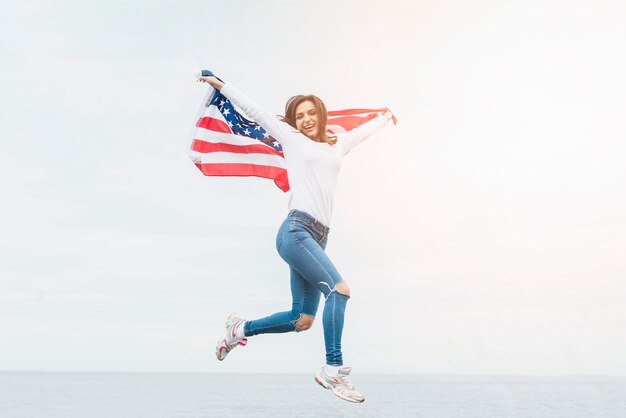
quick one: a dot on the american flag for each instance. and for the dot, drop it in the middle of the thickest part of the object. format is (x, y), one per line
(225, 143)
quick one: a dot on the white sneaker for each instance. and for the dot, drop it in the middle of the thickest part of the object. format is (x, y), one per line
(230, 341)
(340, 384)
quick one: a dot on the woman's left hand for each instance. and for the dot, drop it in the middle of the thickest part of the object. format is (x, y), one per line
(213, 81)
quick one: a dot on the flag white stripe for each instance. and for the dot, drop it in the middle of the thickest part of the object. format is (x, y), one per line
(214, 137)
(231, 157)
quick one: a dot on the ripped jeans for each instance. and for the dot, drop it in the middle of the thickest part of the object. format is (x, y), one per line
(301, 241)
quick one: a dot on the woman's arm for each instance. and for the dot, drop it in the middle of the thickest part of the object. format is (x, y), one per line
(354, 137)
(273, 126)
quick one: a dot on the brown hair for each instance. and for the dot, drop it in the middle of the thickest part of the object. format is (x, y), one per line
(322, 116)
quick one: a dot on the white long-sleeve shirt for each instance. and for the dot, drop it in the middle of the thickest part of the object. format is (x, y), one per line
(312, 167)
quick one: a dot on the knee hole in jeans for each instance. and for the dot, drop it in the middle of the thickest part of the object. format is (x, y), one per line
(342, 288)
(304, 323)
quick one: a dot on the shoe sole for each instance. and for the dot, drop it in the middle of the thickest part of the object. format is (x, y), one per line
(325, 385)
(218, 351)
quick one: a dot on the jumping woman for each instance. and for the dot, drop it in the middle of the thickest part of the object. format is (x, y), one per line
(313, 160)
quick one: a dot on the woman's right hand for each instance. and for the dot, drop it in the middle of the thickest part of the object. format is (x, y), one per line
(213, 81)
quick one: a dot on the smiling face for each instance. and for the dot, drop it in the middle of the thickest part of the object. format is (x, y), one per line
(307, 119)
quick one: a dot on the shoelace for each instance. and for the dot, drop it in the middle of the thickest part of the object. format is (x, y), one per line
(348, 382)
(234, 343)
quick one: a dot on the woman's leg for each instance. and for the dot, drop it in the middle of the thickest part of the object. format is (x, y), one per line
(310, 304)
(305, 301)
(308, 258)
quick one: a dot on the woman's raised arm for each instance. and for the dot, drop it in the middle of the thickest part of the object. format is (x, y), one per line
(354, 137)
(273, 126)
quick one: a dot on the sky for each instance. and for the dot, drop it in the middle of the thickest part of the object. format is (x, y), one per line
(484, 234)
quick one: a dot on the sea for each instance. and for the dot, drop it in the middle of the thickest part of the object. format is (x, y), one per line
(188, 395)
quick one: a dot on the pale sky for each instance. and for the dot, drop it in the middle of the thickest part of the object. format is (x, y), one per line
(484, 234)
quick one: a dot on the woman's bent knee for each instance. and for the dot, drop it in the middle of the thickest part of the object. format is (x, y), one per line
(305, 322)
(343, 288)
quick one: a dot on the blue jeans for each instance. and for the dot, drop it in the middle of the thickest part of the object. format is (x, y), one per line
(301, 241)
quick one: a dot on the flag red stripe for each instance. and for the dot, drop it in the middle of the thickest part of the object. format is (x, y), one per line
(344, 112)
(279, 175)
(213, 124)
(351, 112)
(351, 122)
(203, 146)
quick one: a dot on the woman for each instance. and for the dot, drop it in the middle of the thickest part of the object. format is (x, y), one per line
(313, 160)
